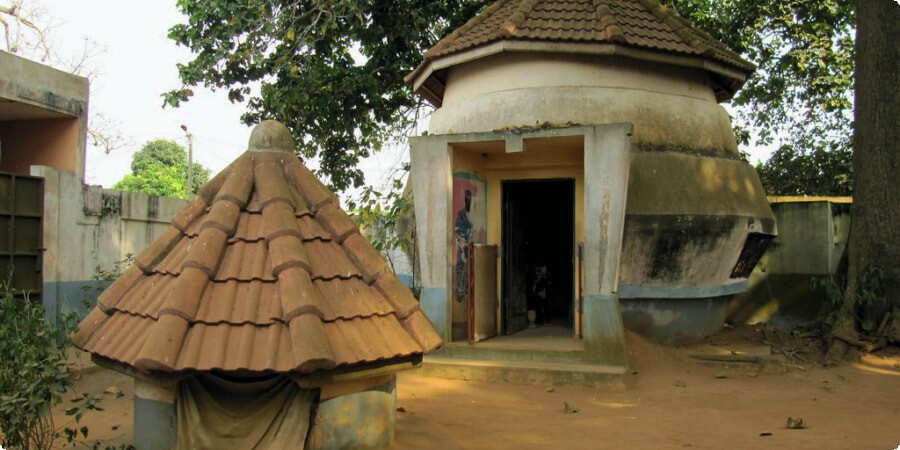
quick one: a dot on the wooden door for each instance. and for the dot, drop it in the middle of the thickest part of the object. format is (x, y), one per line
(482, 298)
(21, 234)
(515, 270)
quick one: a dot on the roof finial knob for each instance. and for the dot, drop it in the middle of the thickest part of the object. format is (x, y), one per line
(271, 136)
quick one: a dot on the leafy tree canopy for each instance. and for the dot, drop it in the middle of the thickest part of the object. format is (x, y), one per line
(160, 168)
(333, 70)
(818, 172)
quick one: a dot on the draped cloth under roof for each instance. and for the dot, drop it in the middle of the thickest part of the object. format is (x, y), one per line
(261, 272)
(636, 29)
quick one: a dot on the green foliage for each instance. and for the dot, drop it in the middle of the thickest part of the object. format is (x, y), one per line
(34, 374)
(160, 168)
(819, 172)
(332, 71)
(801, 94)
(379, 214)
(869, 293)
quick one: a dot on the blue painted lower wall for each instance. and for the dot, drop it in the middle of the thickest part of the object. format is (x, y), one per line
(433, 302)
(65, 297)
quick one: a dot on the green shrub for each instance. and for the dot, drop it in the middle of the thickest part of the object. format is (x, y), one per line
(33, 371)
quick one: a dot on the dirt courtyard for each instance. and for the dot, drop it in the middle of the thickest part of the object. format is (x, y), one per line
(673, 401)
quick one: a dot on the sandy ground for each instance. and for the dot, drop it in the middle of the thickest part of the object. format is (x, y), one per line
(673, 401)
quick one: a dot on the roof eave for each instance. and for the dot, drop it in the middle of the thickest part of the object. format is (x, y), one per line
(425, 73)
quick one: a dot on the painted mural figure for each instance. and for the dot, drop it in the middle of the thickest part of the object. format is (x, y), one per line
(463, 229)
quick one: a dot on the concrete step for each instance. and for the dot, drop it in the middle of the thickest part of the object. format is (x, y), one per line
(486, 351)
(526, 372)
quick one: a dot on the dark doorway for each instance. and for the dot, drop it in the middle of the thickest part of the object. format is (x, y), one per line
(538, 241)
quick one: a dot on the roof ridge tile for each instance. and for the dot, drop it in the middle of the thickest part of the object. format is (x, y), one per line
(223, 216)
(194, 209)
(397, 294)
(269, 179)
(163, 344)
(336, 221)
(287, 252)
(366, 258)
(298, 295)
(184, 298)
(206, 252)
(112, 294)
(309, 344)
(239, 184)
(309, 187)
(279, 220)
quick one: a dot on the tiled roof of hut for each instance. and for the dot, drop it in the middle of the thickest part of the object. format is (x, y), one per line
(638, 24)
(262, 271)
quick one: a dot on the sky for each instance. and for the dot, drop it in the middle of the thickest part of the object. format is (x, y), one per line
(135, 63)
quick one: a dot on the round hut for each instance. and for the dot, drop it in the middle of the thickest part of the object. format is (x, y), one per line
(261, 318)
(521, 91)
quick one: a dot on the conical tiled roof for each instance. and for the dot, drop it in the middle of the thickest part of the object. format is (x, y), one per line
(261, 272)
(636, 24)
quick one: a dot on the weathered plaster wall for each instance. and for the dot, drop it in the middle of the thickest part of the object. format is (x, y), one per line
(55, 106)
(88, 229)
(39, 142)
(811, 243)
(670, 106)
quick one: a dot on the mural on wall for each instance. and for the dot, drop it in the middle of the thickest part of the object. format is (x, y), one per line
(470, 217)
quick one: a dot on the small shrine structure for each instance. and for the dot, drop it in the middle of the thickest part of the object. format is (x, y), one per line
(261, 319)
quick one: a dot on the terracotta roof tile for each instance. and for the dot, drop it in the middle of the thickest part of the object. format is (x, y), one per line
(109, 297)
(262, 272)
(308, 186)
(287, 252)
(158, 250)
(644, 24)
(365, 256)
(336, 221)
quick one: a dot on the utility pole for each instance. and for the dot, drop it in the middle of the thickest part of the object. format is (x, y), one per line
(188, 189)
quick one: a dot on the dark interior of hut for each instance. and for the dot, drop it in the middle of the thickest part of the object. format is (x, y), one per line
(538, 249)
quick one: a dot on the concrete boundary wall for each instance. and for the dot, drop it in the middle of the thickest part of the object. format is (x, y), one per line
(86, 230)
(811, 244)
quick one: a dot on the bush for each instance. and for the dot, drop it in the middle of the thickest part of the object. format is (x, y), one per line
(33, 371)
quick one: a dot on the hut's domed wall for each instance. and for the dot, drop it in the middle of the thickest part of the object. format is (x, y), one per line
(669, 106)
(692, 202)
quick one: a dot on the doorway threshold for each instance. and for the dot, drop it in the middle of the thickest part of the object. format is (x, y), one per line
(547, 355)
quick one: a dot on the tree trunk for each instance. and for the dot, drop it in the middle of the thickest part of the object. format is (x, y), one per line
(874, 238)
